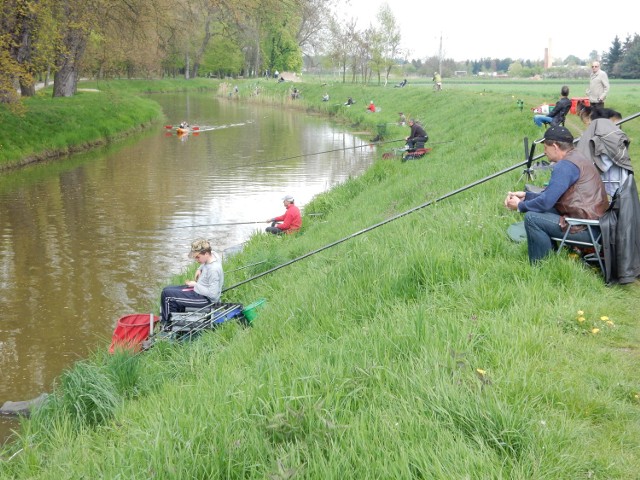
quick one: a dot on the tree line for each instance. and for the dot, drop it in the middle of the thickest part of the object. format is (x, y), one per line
(63, 40)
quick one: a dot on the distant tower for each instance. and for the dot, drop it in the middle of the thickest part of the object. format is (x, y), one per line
(548, 58)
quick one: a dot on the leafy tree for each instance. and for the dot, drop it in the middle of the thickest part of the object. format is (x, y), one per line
(629, 66)
(515, 69)
(224, 58)
(27, 42)
(572, 60)
(313, 25)
(613, 56)
(388, 40)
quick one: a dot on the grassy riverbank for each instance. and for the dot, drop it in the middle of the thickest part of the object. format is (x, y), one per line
(101, 112)
(425, 348)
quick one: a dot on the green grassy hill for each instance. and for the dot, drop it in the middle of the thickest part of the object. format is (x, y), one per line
(427, 347)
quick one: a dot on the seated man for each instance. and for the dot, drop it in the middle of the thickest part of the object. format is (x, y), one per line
(575, 190)
(418, 136)
(204, 290)
(291, 219)
(559, 112)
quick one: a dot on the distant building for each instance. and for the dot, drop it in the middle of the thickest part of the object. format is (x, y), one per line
(547, 56)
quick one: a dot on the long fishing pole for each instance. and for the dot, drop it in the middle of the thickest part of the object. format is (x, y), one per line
(310, 154)
(531, 158)
(210, 225)
(384, 222)
(403, 214)
(228, 223)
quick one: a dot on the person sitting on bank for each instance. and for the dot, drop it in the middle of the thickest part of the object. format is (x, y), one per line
(291, 220)
(401, 119)
(371, 107)
(418, 135)
(204, 290)
(559, 112)
(575, 190)
(325, 97)
(349, 102)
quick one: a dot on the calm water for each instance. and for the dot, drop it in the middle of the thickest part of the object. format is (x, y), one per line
(87, 240)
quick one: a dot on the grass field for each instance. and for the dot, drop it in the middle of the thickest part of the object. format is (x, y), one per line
(425, 348)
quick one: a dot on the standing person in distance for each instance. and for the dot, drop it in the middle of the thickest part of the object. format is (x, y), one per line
(598, 85)
(291, 220)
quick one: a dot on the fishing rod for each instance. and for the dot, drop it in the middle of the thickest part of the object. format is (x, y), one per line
(310, 154)
(384, 222)
(229, 223)
(246, 266)
(410, 211)
(395, 151)
(210, 225)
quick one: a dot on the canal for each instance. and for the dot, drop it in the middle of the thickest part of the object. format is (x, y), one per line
(88, 239)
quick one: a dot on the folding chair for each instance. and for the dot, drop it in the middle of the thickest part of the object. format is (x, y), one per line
(595, 243)
(599, 253)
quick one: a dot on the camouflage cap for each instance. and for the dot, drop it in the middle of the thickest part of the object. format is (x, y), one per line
(200, 245)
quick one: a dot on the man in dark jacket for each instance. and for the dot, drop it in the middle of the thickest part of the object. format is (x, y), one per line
(417, 135)
(575, 190)
(559, 112)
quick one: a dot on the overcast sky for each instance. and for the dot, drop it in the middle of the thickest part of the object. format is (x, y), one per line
(500, 28)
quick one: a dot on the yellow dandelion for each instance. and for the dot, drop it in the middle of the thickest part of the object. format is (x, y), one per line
(480, 371)
(610, 323)
(580, 313)
(595, 330)
(581, 319)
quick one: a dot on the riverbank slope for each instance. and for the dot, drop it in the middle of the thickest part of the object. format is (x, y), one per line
(426, 347)
(101, 112)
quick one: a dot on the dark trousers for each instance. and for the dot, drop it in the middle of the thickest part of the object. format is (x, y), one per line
(176, 298)
(273, 229)
(411, 143)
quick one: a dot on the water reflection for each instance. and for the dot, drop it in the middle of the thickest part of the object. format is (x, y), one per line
(87, 240)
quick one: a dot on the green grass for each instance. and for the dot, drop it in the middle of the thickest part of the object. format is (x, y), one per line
(425, 348)
(51, 127)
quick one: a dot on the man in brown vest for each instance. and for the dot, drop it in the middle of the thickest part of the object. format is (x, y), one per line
(575, 190)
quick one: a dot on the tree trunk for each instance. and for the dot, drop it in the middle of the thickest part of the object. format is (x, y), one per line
(27, 87)
(65, 80)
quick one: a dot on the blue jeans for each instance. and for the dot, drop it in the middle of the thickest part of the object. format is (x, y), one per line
(539, 120)
(540, 228)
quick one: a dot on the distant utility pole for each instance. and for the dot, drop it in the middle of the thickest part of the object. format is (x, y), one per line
(440, 56)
